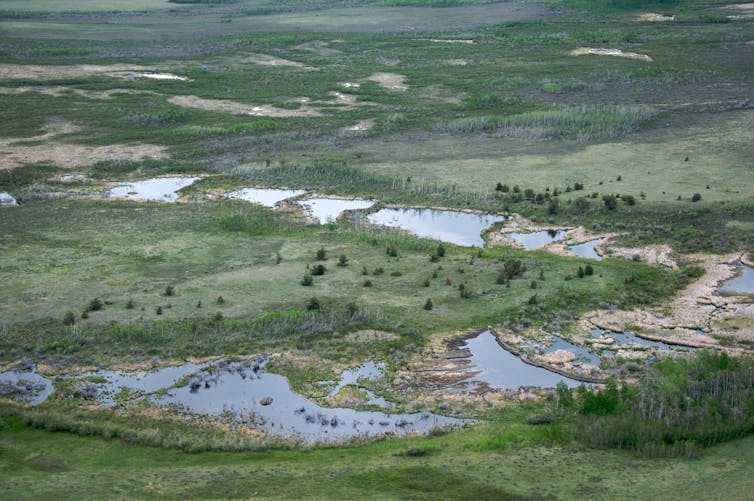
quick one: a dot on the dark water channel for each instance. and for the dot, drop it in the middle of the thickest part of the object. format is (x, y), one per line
(740, 285)
(500, 368)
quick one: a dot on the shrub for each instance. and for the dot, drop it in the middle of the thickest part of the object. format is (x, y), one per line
(159, 310)
(321, 254)
(69, 318)
(378, 271)
(588, 270)
(319, 269)
(696, 197)
(352, 309)
(433, 258)
(343, 260)
(440, 250)
(628, 199)
(169, 290)
(580, 272)
(501, 278)
(314, 304)
(539, 419)
(610, 201)
(220, 300)
(95, 305)
(218, 317)
(307, 280)
(426, 283)
(391, 250)
(428, 305)
(367, 283)
(533, 284)
(130, 305)
(513, 268)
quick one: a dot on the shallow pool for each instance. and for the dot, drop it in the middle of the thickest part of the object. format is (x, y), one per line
(456, 227)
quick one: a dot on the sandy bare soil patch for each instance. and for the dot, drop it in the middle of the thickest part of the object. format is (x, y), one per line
(57, 91)
(151, 75)
(609, 52)
(13, 154)
(361, 126)
(350, 85)
(446, 40)
(320, 47)
(654, 17)
(42, 72)
(341, 98)
(267, 60)
(746, 11)
(227, 106)
(652, 254)
(391, 81)
(698, 316)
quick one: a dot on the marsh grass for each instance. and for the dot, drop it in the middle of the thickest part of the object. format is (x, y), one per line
(582, 123)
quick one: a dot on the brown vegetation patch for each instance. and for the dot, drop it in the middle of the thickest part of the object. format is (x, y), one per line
(13, 154)
(391, 81)
(46, 72)
(371, 335)
(57, 91)
(228, 106)
(267, 60)
(447, 40)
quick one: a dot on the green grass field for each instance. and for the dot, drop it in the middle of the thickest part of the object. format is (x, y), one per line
(502, 460)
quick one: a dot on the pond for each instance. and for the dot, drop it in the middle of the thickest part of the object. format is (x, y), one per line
(25, 385)
(456, 227)
(160, 189)
(111, 383)
(368, 370)
(536, 239)
(7, 199)
(740, 285)
(329, 209)
(252, 397)
(269, 197)
(586, 249)
(500, 368)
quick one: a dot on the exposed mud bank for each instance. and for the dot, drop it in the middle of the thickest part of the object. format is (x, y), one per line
(697, 317)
